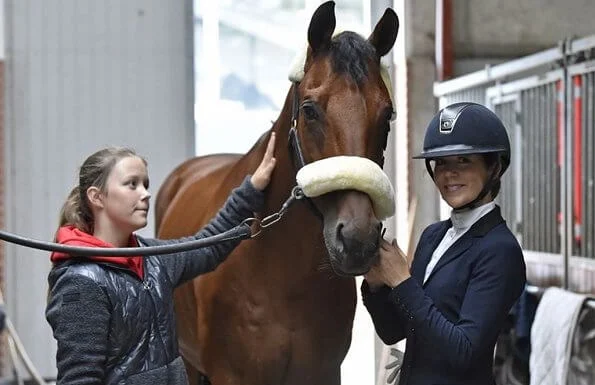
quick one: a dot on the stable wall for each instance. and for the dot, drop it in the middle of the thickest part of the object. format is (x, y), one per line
(81, 75)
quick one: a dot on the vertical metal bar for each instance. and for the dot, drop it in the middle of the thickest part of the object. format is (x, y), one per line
(511, 185)
(545, 191)
(536, 166)
(553, 168)
(506, 193)
(504, 111)
(567, 179)
(584, 169)
(518, 174)
(555, 182)
(530, 166)
(549, 179)
(589, 145)
(443, 44)
(577, 183)
(539, 171)
(527, 107)
(532, 219)
(559, 158)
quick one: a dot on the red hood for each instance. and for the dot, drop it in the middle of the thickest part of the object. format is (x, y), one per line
(70, 235)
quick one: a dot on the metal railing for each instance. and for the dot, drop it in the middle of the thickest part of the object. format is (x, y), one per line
(547, 102)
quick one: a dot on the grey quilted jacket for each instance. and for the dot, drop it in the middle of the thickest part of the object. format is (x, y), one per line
(112, 327)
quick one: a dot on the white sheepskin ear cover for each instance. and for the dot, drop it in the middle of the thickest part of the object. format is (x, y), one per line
(296, 70)
(349, 173)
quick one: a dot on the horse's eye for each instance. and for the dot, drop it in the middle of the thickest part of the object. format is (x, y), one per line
(309, 111)
(390, 114)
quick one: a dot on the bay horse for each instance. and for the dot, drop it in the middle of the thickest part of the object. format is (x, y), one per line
(280, 309)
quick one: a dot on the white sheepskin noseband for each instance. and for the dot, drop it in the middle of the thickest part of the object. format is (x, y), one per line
(349, 173)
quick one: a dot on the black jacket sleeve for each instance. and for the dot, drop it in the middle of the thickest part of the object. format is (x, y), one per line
(242, 203)
(388, 322)
(78, 311)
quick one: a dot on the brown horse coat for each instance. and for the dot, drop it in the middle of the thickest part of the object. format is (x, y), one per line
(280, 309)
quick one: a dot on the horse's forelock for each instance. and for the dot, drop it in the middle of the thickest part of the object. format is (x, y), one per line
(350, 54)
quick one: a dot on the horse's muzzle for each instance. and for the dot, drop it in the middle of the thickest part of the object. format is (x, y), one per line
(355, 246)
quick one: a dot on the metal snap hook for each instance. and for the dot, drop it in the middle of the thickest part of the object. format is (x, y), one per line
(297, 193)
(253, 221)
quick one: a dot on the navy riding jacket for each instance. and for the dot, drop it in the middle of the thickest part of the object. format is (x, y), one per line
(452, 321)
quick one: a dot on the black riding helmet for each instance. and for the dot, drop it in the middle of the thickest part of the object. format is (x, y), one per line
(463, 129)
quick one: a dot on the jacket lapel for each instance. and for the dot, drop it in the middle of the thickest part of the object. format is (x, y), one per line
(425, 250)
(479, 229)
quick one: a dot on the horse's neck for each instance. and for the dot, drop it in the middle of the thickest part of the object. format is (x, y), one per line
(283, 179)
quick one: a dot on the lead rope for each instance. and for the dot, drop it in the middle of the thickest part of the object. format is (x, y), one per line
(242, 231)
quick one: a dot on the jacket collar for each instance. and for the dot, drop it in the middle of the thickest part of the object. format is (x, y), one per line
(463, 220)
(478, 230)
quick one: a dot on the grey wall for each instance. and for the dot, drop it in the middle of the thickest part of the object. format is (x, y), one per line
(504, 28)
(83, 74)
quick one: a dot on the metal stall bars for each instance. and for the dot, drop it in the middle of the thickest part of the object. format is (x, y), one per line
(532, 110)
(579, 213)
(548, 194)
(528, 97)
(582, 120)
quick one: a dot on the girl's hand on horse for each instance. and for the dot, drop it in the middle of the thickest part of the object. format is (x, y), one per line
(262, 176)
(392, 267)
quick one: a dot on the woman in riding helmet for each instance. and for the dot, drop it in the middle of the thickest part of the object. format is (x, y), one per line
(467, 271)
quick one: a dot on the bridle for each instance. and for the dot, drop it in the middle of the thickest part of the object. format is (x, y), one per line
(295, 148)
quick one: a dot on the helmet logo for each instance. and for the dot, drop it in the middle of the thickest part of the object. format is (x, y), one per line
(446, 126)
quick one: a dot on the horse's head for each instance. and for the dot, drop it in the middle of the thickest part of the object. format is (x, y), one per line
(345, 108)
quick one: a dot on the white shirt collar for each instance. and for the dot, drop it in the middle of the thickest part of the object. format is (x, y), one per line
(465, 219)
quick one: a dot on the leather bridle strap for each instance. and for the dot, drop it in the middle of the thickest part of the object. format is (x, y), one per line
(295, 148)
(294, 141)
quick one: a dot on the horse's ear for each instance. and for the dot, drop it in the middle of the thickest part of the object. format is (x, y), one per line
(322, 26)
(385, 33)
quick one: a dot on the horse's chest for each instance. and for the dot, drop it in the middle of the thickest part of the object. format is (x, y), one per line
(290, 353)
(265, 331)
(282, 325)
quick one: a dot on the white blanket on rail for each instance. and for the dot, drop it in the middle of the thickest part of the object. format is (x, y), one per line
(551, 336)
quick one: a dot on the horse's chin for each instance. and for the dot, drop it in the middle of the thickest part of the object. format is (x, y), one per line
(345, 265)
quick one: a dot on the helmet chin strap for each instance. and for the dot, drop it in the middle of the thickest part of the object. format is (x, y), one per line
(487, 187)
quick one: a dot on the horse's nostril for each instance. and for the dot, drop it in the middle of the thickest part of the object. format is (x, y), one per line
(340, 237)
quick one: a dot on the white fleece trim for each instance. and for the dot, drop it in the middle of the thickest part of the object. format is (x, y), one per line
(349, 173)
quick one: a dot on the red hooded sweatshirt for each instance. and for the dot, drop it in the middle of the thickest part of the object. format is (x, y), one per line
(70, 235)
